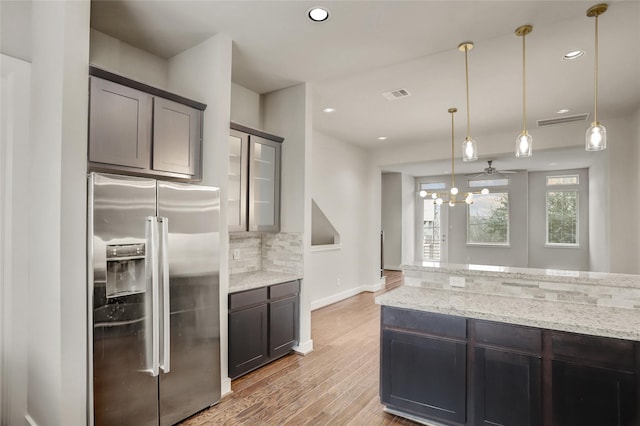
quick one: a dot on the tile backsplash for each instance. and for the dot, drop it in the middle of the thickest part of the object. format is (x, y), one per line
(573, 292)
(250, 252)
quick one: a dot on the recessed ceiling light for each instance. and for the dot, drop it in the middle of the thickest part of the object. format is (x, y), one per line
(329, 110)
(318, 14)
(563, 111)
(382, 138)
(573, 55)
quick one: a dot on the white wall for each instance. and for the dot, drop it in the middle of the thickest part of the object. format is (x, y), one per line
(287, 113)
(57, 197)
(113, 55)
(599, 217)
(391, 218)
(622, 148)
(15, 29)
(408, 218)
(203, 72)
(245, 106)
(340, 186)
(14, 238)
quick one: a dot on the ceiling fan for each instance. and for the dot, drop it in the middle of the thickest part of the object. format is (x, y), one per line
(491, 171)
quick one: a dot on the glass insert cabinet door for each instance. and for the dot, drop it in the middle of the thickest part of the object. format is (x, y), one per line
(238, 183)
(264, 184)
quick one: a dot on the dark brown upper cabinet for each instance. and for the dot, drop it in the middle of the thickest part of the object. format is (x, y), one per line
(254, 180)
(141, 130)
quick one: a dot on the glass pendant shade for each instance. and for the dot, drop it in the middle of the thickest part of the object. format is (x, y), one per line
(423, 193)
(524, 144)
(454, 190)
(438, 201)
(469, 150)
(469, 199)
(596, 137)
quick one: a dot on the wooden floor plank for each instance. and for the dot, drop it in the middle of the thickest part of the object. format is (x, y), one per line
(336, 384)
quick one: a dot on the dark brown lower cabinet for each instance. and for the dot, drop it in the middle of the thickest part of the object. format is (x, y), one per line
(585, 395)
(507, 388)
(283, 326)
(263, 326)
(247, 339)
(458, 371)
(435, 385)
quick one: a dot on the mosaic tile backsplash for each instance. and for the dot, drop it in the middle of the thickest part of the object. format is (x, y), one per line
(572, 291)
(282, 252)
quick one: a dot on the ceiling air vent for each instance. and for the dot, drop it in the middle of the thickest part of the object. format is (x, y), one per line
(396, 94)
(560, 120)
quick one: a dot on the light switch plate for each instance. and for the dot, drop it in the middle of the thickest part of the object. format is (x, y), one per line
(456, 281)
(236, 254)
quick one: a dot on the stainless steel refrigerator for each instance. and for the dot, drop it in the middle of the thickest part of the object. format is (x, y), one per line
(154, 321)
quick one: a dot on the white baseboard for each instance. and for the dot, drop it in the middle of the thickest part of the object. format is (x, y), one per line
(321, 303)
(304, 348)
(393, 268)
(226, 387)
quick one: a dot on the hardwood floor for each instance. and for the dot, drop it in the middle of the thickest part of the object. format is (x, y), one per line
(336, 384)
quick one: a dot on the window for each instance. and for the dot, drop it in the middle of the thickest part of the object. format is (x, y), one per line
(562, 217)
(431, 224)
(430, 186)
(431, 231)
(563, 180)
(488, 219)
(562, 210)
(484, 183)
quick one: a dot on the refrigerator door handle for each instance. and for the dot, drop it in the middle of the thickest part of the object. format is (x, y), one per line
(166, 314)
(152, 254)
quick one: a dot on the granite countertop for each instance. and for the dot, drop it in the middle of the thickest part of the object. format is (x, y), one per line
(556, 275)
(572, 317)
(256, 279)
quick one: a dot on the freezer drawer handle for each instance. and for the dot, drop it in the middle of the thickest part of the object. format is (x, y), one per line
(166, 318)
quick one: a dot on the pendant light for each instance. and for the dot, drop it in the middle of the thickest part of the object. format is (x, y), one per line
(451, 199)
(469, 149)
(524, 141)
(596, 137)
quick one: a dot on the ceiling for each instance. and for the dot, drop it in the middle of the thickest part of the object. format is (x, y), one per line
(370, 47)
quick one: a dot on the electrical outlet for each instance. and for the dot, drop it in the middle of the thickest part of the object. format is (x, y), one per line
(456, 281)
(338, 283)
(236, 254)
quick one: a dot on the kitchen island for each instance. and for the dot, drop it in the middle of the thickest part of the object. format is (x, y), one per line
(475, 345)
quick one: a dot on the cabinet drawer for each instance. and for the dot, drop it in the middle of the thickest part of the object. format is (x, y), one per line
(247, 298)
(508, 336)
(425, 322)
(285, 289)
(597, 351)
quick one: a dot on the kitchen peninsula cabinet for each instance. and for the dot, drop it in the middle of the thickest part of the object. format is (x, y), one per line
(461, 371)
(141, 130)
(508, 374)
(254, 180)
(595, 381)
(423, 364)
(263, 325)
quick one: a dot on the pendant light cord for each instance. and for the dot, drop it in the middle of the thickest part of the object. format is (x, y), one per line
(524, 86)
(453, 173)
(466, 69)
(595, 97)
